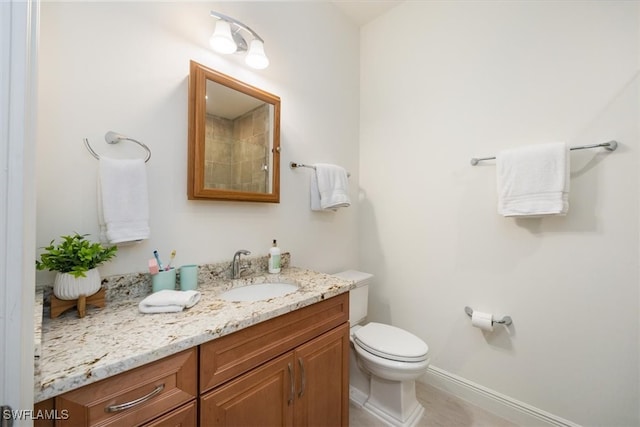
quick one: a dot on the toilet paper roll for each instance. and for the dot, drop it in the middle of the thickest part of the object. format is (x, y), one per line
(482, 320)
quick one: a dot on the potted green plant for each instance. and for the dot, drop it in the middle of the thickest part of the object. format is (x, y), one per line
(75, 260)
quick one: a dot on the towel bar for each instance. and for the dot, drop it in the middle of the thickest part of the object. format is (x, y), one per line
(506, 320)
(294, 165)
(610, 146)
(113, 138)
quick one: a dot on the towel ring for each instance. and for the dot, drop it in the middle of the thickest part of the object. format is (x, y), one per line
(113, 138)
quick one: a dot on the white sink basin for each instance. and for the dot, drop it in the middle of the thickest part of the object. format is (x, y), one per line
(258, 292)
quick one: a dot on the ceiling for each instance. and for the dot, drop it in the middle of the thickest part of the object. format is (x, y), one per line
(364, 11)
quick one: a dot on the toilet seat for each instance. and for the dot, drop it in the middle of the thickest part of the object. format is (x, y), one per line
(390, 370)
(391, 343)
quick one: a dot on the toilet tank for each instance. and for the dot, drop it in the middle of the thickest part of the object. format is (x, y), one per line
(359, 296)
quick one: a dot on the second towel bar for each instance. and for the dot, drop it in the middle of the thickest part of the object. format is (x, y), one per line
(611, 146)
(294, 165)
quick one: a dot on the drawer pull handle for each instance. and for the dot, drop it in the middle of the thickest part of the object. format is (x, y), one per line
(127, 405)
(303, 383)
(292, 392)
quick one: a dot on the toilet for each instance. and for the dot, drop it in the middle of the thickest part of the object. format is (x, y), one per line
(384, 363)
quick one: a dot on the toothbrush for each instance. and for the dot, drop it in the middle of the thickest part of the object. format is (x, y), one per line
(173, 255)
(155, 254)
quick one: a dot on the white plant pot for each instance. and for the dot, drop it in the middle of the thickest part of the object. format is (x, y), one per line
(68, 287)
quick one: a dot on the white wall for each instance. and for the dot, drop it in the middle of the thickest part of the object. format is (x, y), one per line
(124, 66)
(442, 82)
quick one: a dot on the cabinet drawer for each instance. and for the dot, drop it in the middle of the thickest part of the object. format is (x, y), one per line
(150, 390)
(186, 416)
(229, 356)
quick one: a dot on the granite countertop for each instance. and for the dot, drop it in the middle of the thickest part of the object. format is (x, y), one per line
(74, 352)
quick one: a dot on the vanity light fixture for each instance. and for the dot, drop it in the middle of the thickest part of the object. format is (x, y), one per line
(228, 38)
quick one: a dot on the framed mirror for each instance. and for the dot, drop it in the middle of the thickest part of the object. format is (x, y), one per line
(234, 139)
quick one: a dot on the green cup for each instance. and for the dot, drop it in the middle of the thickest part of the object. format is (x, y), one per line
(164, 280)
(188, 277)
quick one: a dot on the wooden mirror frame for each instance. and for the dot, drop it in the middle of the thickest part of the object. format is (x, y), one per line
(198, 77)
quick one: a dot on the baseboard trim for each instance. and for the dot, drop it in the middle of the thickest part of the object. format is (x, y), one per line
(492, 401)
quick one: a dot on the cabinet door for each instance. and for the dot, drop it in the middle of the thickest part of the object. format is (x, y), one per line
(262, 397)
(322, 380)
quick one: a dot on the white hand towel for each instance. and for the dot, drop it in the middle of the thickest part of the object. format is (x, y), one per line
(169, 301)
(329, 187)
(533, 180)
(315, 193)
(123, 202)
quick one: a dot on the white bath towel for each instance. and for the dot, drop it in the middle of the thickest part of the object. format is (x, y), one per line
(123, 202)
(533, 180)
(329, 187)
(169, 301)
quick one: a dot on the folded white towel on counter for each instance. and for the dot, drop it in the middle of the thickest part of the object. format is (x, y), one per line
(533, 180)
(329, 187)
(169, 301)
(123, 202)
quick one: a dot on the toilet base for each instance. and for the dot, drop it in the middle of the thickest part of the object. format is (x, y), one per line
(412, 420)
(392, 402)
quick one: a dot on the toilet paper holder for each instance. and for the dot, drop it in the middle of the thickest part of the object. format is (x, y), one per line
(506, 320)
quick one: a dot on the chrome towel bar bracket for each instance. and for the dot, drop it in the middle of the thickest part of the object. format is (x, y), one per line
(294, 165)
(506, 320)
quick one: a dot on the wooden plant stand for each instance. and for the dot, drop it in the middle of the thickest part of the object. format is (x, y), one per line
(59, 306)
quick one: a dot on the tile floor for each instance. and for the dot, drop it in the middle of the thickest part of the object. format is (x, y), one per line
(441, 410)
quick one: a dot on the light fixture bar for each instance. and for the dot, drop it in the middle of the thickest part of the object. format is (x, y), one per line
(236, 22)
(228, 38)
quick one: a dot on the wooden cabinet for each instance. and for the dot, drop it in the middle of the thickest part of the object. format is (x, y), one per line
(227, 357)
(134, 397)
(304, 387)
(305, 384)
(292, 370)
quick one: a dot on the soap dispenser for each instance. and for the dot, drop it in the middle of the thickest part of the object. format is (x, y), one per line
(274, 258)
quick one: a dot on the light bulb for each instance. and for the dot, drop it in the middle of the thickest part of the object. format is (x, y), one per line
(255, 56)
(221, 41)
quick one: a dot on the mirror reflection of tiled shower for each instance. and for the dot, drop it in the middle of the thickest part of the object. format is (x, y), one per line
(237, 151)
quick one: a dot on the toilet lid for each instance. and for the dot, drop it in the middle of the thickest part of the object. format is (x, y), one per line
(391, 343)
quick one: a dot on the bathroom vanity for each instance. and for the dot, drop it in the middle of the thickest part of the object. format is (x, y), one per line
(280, 361)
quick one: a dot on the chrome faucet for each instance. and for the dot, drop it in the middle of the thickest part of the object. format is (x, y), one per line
(235, 264)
